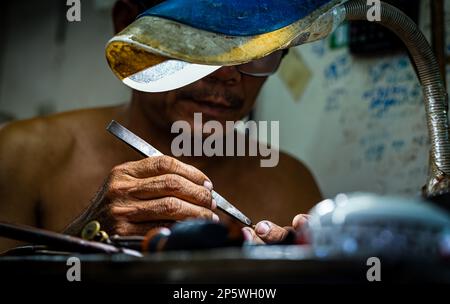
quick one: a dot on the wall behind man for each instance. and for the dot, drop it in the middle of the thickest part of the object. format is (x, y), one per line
(49, 64)
(359, 123)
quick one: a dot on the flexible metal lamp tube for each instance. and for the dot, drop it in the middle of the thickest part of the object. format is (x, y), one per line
(435, 96)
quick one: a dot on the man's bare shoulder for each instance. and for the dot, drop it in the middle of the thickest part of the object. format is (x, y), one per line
(22, 141)
(46, 140)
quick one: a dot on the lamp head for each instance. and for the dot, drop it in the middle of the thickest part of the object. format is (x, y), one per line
(181, 41)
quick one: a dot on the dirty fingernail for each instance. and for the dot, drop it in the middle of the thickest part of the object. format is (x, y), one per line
(213, 204)
(215, 218)
(208, 185)
(262, 228)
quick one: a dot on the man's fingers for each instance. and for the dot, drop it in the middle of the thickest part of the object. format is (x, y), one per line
(160, 165)
(265, 232)
(172, 185)
(251, 237)
(269, 232)
(299, 221)
(167, 208)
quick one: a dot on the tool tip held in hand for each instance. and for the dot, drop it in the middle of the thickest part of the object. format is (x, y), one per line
(148, 150)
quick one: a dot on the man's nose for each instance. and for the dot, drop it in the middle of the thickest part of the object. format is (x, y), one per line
(229, 75)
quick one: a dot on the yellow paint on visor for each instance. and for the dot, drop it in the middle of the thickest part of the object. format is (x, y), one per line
(150, 40)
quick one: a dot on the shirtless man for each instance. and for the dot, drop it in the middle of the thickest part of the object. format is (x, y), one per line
(62, 171)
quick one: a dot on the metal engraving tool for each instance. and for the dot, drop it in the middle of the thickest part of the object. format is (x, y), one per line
(148, 150)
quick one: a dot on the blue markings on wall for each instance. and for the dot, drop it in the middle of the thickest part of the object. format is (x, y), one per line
(392, 71)
(382, 99)
(375, 153)
(318, 48)
(335, 99)
(398, 145)
(421, 140)
(339, 68)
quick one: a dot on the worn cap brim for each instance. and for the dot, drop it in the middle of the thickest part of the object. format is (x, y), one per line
(216, 33)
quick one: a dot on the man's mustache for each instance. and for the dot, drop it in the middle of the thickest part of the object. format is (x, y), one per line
(207, 94)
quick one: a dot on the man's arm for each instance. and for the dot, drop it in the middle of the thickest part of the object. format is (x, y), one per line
(20, 163)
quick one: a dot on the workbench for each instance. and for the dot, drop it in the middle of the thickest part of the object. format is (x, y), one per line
(254, 265)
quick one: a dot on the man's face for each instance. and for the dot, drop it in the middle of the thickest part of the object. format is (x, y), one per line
(225, 95)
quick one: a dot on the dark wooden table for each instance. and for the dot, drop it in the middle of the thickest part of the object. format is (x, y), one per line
(256, 265)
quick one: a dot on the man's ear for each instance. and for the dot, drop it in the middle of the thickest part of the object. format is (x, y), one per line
(124, 12)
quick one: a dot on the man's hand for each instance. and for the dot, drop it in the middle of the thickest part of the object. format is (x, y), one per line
(138, 196)
(267, 232)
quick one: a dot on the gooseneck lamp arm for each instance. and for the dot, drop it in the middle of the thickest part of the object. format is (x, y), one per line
(435, 96)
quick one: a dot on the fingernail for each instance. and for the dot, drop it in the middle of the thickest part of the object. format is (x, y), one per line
(208, 185)
(262, 228)
(215, 218)
(213, 204)
(247, 234)
(299, 220)
(299, 217)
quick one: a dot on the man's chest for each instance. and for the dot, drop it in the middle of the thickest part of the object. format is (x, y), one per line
(255, 194)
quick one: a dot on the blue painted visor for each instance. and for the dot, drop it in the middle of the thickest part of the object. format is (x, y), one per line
(236, 17)
(219, 32)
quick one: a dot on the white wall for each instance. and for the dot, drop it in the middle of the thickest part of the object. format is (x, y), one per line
(42, 75)
(360, 123)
